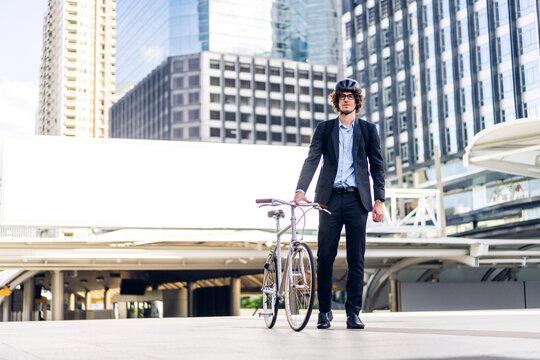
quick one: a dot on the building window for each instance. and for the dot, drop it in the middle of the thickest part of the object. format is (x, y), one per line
(260, 69)
(373, 72)
(194, 80)
(401, 90)
(229, 66)
(388, 96)
(194, 132)
(289, 73)
(261, 135)
(215, 115)
(260, 102)
(290, 121)
(386, 66)
(193, 98)
(193, 65)
(214, 64)
(400, 60)
(215, 98)
(276, 136)
(230, 116)
(178, 83)
(290, 105)
(402, 122)
(390, 156)
(245, 68)
(178, 116)
(275, 87)
(275, 104)
(404, 152)
(194, 115)
(244, 100)
(245, 117)
(375, 101)
(178, 99)
(178, 133)
(291, 138)
(214, 81)
(260, 119)
(245, 84)
(318, 92)
(303, 74)
(389, 128)
(259, 85)
(230, 83)
(178, 66)
(275, 71)
(230, 133)
(246, 134)
(230, 99)
(289, 89)
(215, 132)
(317, 75)
(527, 39)
(529, 76)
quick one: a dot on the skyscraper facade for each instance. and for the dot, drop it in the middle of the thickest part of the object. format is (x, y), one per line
(77, 76)
(216, 97)
(150, 31)
(435, 73)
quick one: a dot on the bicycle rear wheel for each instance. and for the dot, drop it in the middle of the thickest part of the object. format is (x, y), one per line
(270, 292)
(300, 287)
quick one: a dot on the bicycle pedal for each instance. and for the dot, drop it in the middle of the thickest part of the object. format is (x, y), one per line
(267, 290)
(265, 313)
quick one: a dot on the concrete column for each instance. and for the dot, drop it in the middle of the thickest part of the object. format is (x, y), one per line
(57, 295)
(6, 304)
(106, 299)
(87, 300)
(71, 304)
(392, 295)
(28, 299)
(442, 213)
(190, 289)
(175, 303)
(236, 285)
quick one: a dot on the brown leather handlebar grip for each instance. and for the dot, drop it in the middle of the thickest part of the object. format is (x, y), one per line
(263, 201)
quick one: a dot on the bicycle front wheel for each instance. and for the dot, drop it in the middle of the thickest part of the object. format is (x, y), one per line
(300, 287)
(270, 292)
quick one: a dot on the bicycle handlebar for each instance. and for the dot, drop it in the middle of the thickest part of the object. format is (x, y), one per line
(278, 202)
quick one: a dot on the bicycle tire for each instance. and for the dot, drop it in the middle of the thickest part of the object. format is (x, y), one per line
(270, 301)
(300, 287)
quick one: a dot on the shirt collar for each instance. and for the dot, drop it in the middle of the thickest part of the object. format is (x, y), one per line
(341, 126)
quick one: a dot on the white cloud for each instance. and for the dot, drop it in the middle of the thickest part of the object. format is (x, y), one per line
(18, 105)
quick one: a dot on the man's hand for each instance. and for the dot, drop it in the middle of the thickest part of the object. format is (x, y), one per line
(378, 212)
(300, 196)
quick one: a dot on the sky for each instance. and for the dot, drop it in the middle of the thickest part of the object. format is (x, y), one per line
(21, 26)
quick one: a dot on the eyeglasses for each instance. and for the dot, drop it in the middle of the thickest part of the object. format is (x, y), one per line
(348, 97)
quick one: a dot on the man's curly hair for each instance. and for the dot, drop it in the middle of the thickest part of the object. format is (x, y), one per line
(334, 100)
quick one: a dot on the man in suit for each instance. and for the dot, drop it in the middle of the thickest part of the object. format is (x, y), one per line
(346, 144)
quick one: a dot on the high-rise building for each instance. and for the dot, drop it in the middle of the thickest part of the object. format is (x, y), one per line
(435, 73)
(215, 97)
(151, 30)
(77, 68)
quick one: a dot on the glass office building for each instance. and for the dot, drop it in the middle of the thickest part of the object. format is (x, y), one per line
(435, 73)
(150, 31)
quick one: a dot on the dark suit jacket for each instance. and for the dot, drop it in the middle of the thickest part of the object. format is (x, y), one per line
(325, 142)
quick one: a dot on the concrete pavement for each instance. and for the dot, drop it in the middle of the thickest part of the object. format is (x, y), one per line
(505, 334)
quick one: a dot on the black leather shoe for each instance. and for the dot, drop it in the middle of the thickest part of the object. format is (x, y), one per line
(324, 320)
(354, 322)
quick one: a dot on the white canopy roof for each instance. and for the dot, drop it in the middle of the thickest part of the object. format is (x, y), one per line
(512, 148)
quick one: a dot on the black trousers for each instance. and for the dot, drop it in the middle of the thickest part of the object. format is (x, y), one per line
(346, 209)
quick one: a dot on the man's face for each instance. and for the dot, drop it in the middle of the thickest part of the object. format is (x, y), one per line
(347, 102)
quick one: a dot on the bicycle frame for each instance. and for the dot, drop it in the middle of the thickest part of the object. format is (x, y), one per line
(277, 253)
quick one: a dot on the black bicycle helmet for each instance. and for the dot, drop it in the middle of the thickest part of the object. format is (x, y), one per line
(347, 85)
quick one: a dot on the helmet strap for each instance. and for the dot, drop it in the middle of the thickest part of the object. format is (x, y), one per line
(345, 112)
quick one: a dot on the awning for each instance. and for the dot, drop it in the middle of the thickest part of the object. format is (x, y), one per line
(512, 148)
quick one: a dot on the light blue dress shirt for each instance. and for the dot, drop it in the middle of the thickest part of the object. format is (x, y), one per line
(345, 171)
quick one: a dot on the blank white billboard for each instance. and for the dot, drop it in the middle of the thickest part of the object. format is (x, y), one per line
(118, 183)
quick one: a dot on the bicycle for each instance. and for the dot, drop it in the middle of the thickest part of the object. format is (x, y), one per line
(298, 290)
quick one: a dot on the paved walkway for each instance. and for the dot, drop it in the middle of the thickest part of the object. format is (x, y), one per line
(505, 334)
